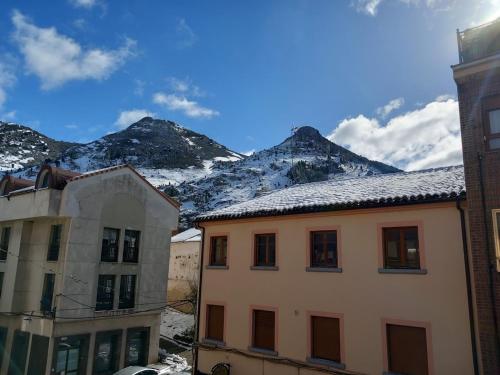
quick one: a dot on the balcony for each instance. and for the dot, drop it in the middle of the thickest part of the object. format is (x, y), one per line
(479, 42)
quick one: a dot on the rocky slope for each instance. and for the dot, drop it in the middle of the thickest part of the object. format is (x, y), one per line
(195, 169)
(22, 147)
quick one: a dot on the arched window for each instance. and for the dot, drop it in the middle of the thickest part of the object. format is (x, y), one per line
(3, 186)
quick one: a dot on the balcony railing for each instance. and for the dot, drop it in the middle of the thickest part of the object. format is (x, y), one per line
(479, 42)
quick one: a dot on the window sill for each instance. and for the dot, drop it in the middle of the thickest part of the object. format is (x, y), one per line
(263, 351)
(264, 268)
(217, 267)
(324, 269)
(132, 263)
(214, 343)
(422, 271)
(325, 362)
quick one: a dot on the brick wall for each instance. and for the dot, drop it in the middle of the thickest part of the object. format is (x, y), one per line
(470, 92)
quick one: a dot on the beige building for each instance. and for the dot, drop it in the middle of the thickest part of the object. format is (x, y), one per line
(83, 266)
(183, 269)
(363, 275)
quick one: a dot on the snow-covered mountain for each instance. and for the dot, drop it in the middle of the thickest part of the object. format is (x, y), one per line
(306, 156)
(195, 169)
(22, 147)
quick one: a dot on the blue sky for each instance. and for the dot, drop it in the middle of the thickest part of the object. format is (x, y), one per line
(373, 75)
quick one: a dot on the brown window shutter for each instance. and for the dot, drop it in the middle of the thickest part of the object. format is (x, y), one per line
(215, 322)
(325, 338)
(263, 329)
(407, 350)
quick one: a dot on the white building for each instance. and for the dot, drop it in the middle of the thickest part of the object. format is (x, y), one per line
(84, 266)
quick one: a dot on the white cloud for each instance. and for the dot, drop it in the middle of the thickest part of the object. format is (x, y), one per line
(424, 138)
(7, 80)
(83, 3)
(248, 153)
(57, 59)
(394, 104)
(370, 7)
(176, 102)
(185, 87)
(186, 36)
(126, 118)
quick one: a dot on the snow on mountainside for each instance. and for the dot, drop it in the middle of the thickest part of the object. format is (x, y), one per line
(304, 157)
(22, 147)
(195, 169)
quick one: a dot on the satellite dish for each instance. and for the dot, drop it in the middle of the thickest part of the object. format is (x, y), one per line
(220, 369)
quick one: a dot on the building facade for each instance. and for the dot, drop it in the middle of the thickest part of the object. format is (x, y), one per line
(183, 269)
(478, 83)
(84, 266)
(365, 275)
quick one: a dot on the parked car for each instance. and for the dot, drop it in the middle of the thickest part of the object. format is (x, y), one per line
(137, 370)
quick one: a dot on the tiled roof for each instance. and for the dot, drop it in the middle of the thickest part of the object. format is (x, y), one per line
(426, 186)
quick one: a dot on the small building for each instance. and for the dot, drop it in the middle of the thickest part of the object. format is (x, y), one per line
(364, 275)
(83, 271)
(184, 266)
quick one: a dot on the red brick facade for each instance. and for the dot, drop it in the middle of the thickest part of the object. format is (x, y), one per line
(478, 160)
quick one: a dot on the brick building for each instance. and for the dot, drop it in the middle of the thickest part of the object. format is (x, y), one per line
(478, 82)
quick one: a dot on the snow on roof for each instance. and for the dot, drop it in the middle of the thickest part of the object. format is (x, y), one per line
(190, 235)
(431, 185)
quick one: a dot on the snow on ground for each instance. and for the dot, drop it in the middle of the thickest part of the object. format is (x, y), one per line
(174, 322)
(173, 364)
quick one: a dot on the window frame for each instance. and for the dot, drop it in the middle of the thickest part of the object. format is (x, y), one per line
(207, 338)
(113, 293)
(130, 332)
(107, 259)
(496, 235)
(309, 246)
(50, 250)
(4, 254)
(43, 305)
(421, 247)
(407, 323)
(266, 265)
(101, 336)
(131, 304)
(135, 258)
(321, 361)
(490, 104)
(210, 260)
(252, 347)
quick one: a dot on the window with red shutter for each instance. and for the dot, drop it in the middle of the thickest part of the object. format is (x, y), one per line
(263, 329)
(215, 323)
(325, 338)
(407, 350)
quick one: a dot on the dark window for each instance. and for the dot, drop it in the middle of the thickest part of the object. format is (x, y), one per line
(491, 119)
(110, 240)
(218, 251)
(1, 283)
(4, 243)
(38, 355)
(137, 347)
(19, 353)
(401, 248)
(407, 350)
(325, 338)
(47, 293)
(105, 292)
(70, 355)
(215, 322)
(324, 249)
(107, 352)
(55, 242)
(265, 250)
(127, 292)
(263, 329)
(131, 246)
(45, 180)
(3, 340)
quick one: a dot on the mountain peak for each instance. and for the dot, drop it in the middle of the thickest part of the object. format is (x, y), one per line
(307, 133)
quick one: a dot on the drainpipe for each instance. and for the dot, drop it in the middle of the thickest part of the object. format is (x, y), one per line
(472, 319)
(488, 252)
(198, 304)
